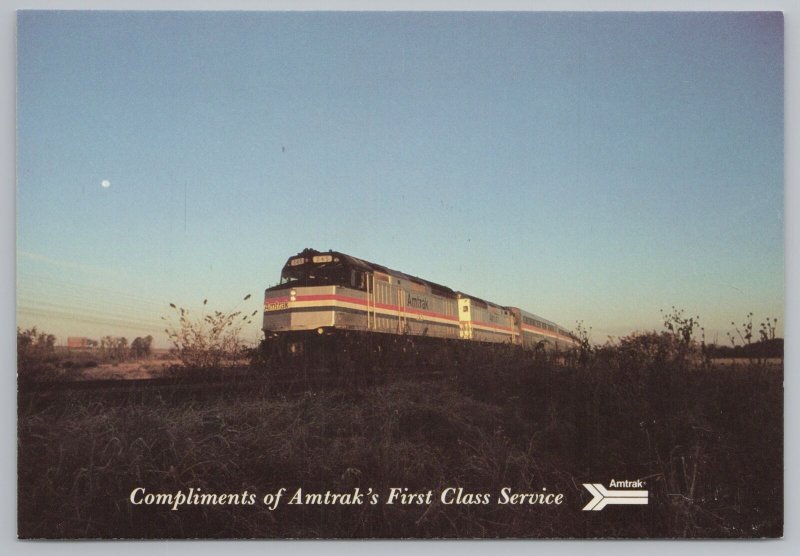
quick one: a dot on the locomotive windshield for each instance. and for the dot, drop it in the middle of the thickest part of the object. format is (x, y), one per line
(314, 274)
(321, 270)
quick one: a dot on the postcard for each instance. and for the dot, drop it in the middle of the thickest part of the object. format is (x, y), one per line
(415, 275)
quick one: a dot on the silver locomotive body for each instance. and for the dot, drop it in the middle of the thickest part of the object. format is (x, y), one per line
(324, 292)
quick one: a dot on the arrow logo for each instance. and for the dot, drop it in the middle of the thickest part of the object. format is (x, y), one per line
(602, 497)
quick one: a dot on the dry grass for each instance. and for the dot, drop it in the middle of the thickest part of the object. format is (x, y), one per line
(129, 370)
(708, 442)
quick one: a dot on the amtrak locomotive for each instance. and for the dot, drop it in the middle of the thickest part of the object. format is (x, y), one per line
(322, 293)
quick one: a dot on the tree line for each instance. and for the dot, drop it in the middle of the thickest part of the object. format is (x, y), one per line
(36, 349)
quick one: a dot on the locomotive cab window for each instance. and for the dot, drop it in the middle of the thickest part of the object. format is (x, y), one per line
(356, 279)
(322, 271)
(290, 275)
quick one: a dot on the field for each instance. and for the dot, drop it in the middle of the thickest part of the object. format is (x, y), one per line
(706, 441)
(127, 370)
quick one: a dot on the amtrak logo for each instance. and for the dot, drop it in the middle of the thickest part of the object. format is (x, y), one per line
(603, 497)
(417, 302)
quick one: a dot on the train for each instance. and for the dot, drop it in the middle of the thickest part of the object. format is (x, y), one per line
(329, 293)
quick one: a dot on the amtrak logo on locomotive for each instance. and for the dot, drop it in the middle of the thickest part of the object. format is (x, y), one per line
(417, 302)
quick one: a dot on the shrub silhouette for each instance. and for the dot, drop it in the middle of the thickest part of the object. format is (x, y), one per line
(209, 340)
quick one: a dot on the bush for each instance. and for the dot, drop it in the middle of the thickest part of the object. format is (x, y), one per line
(208, 341)
(36, 357)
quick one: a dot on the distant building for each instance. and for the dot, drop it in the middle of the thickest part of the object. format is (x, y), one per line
(80, 343)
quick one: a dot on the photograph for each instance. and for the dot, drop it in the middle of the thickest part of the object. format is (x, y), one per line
(399, 274)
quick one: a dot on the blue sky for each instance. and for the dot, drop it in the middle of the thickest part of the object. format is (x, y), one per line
(585, 167)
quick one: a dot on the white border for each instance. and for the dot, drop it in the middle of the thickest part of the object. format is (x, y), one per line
(8, 477)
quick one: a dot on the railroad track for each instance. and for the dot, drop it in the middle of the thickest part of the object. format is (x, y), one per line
(230, 384)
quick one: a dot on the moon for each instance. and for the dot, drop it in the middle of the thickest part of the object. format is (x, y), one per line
(105, 184)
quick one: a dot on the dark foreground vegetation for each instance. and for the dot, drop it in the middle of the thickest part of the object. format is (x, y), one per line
(706, 439)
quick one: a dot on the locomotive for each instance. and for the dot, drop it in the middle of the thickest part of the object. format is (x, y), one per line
(328, 293)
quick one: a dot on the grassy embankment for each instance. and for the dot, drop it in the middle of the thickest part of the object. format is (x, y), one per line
(708, 442)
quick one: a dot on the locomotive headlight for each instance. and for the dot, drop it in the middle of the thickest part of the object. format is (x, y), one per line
(293, 295)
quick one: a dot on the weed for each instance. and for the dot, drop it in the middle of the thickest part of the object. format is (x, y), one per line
(206, 342)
